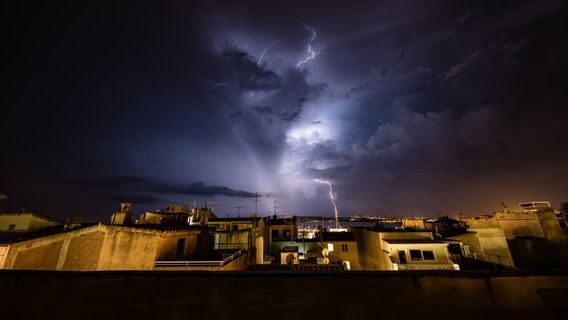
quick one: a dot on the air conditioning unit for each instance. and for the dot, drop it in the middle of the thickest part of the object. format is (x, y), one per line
(289, 255)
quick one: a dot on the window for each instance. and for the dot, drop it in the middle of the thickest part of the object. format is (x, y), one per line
(454, 248)
(419, 255)
(428, 255)
(180, 247)
(235, 227)
(415, 255)
(12, 227)
(275, 234)
(344, 247)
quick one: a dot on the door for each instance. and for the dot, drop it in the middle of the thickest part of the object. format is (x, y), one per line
(402, 257)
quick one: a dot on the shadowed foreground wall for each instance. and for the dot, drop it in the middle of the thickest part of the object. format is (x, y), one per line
(355, 295)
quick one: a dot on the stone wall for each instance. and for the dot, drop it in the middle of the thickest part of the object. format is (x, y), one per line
(84, 251)
(127, 248)
(100, 247)
(41, 257)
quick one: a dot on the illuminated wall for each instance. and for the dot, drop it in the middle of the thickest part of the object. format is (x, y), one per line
(103, 247)
(419, 256)
(24, 222)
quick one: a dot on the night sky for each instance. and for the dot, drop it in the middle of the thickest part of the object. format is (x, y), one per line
(406, 107)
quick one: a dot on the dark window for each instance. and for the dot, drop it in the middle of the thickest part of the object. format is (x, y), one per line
(180, 247)
(415, 255)
(453, 248)
(235, 227)
(12, 227)
(344, 247)
(286, 233)
(428, 255)
(275, 234)
(402, 257)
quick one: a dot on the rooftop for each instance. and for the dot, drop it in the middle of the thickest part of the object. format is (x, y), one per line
(18, 236)
(238, 219)
(31, 214)
(280, 221)
(413, 241)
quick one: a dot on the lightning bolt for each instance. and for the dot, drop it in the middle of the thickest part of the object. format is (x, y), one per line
(311, 54)
(213, 85)
(332, 199)
(266, 50)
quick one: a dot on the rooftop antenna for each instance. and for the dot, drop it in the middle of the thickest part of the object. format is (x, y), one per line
(275, 207)
(208, 204)
(256, 202)
(239, 211)
(190, 205)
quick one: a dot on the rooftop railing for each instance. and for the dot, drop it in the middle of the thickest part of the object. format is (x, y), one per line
(200, 263)
(492, 258)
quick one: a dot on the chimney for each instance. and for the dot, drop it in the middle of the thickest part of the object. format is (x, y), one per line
(122, 217)
(204, 215)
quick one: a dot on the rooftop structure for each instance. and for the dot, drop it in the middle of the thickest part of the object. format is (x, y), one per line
(25, 221)
(534, 206)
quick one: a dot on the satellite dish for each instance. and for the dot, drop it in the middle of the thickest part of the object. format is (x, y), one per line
(324, 252)
(290, 259)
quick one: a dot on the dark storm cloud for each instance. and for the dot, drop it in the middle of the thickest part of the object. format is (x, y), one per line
(427, 106)
(272, 115)
(382, 71)
(242, 69)
(154, 186)
(138, 199)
